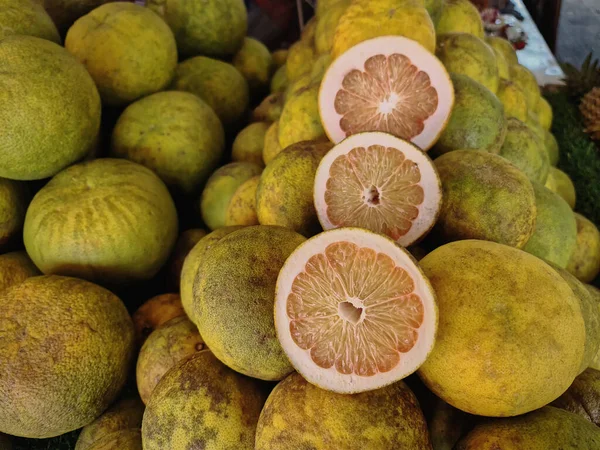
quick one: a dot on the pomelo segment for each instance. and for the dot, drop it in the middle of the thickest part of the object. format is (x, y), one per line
(378, 182)
(390, 84)
(353, 311)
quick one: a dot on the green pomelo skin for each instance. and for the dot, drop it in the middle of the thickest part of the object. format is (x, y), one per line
(552, 148)
(255, 63)
(15, 267)
(26, 17)
(249, 143)
(504, 47)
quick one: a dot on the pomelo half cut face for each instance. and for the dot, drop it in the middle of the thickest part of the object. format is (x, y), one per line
(353, 311)
(379, 182)
(390, 84)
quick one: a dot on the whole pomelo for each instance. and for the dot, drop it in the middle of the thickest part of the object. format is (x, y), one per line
(523, 148)
(184, 245)
(133, 53)
(561, 184)
(242, 207)
(271, 146)
(279, 81)
(526, 81)
(485, 197)
(41, 79)
(249, 143)
(503, 70)
(505, 47)
(169, 344)
(15, 267)
(463, 53)
(521, 334)
(234, 297)
(218, 83)
(154, 312)
(285, 192)
(300, 58)
(14, 197)
(477, 120)
(211, 27)
(269, 110)
(65, 12)
(327, 24)
(584, 263)
(175, 134)
(460, 16)
(26, 17)
(300, 119)
(552, 148)
(280, 57)
(583, 397)
(299, 415)
(130, 439)
(544, 113)
(513, 99)
(109, 220)
(434, 8)
(123, 415)
(555, 235)
(366, 19)
(64, 367)
(547, 428)
(255, 63)
(219, 189)
(202, 403)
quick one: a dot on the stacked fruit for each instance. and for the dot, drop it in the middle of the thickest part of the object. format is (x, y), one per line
(303, 252)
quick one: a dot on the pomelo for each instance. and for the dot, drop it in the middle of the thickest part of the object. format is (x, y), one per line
(513, 99)
(353, 311)
(280, 57)
(269, 109)
(41, 79)
(16, 267)
(255, 63)
(544, 113)
(434, 8)
(219, 189)
(503, 70)
(460, 16)
(249, 143)
(308, 31)
(284, 195)
(505, 47)
(561, 184)
(242, 207)
(175, 134)
(378, 182)
(129, 51)
(65, 12)
(552, 148)
(389, 84)
(526, 81)
(555, 235)
(299, 60)
(326, 26)
(300, 120)
(154, 312)
(279, 81)
(211, 27)
(63, 367)
(26, 17)
(583, 397)
(184, 245)
(130, 439)
(299, 415)
(202, 403)
(463, 53)
(584, 263)
(516, 340)
(109, 220)
(271, 147)
(14, 197)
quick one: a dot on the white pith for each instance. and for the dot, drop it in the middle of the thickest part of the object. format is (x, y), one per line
(331, 379)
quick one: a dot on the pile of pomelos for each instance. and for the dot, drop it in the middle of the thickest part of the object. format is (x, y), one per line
(206, 245)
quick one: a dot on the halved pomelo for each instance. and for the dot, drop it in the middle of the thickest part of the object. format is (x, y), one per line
(353, 311)
(378, 182)
(390, 84)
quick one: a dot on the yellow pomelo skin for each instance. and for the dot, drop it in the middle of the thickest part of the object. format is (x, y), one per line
(53, 85)
(130, 439)
(271, 147)
(513, 99)
(299, 60)
(585, 260)
(327, 24)
(540, 430)
(583, 397)
(211, 27)
(255, 63)
(184, 245)
(308, 32)
(526, 81)
(133, 53)
(503, 70)
(15, 267)
(516, 340)
(249, 143)
(235, 314)
(299, 415)
(279, 57)
(269, 109)
(505, 47)
(201, 403)
(172, 342)
(63, 368)
(562, 185)
(485, 197)
(219, 189)
(544, 113)
(192, 263)
(161, 132)
(469, 55)
(218, 83)
(555, 236)
(552, 148)
(13, 204)
(26, 17)
(460, 16)
(121, 416)
(279, 81)
(242, 208)
(366, 19)
(108, 220)
(285, 192)
(300, 119)
(154, 312)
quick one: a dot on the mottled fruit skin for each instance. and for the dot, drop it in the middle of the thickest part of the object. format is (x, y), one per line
(65, 12)
(300, 57)
(184, 245)
(503, 70)
(513, 99)
(255, 63)
(285, 193)
(129, 51)
(269, 109)
(211, 27)
(234, 297)
(300, 119)
(552, 148)
(485, 197)
(505, 47)
(123, 415)
(460, 16)
(26, 17)
(202, 404)
(61, 368)
(242, 207)
(523, 78)
(271, 146)
(298, 415)
(106, 220)
(154, 312)
(249, 143)
(544, 113)
(279, 82)
(218, 83)
(15, 267)
(547, 428)
(172, 342)
(585, 260)
(130, 439)
(13, 204)
(41, 79)
(562, 185)
(583, 397)
(175, 134)
(477, 120)
(555, 235)
(505, 335)
(326, 25)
